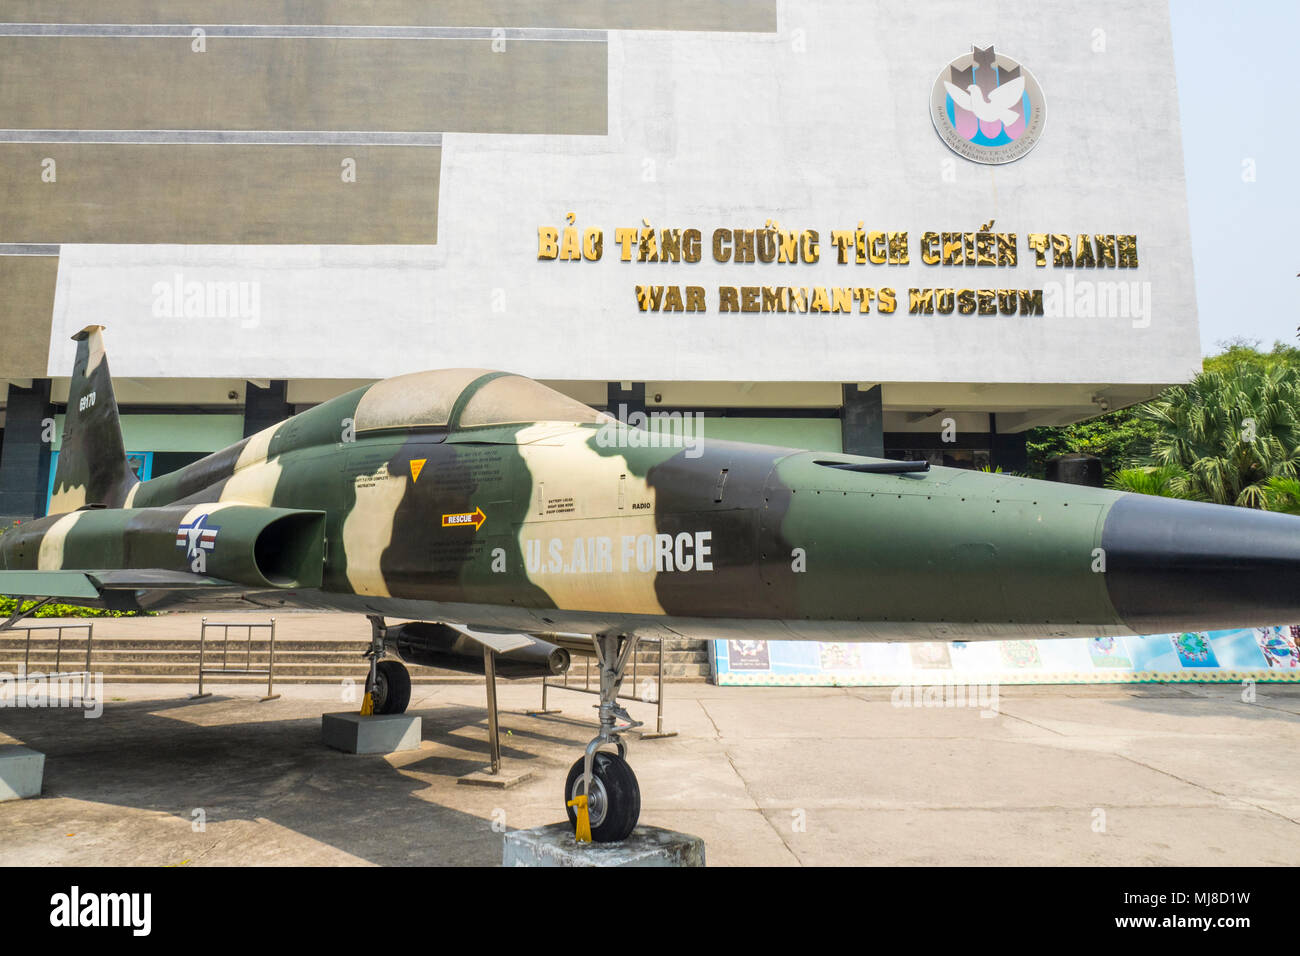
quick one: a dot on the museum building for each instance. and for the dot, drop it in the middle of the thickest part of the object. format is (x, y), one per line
(909, 230)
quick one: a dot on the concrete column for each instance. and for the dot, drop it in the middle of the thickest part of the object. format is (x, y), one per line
(25, 457)
(633, 398)
(264, 407)
(1007, 450)
(862, 422)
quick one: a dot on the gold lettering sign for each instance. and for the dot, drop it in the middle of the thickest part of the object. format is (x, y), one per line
(773, 244)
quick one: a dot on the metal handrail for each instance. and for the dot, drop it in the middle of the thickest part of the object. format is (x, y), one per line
(248, 668)
(58, 650)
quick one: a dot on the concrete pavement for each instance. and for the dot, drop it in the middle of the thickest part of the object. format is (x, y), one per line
(767, 776)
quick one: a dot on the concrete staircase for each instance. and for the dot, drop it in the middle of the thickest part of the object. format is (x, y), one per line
(297, 661)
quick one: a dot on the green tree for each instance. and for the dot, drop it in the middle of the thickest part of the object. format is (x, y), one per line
(1167, 481)
(1230, 431)
(1282, 494)
(1180, 429)
(1242, 352)
(1118, 438)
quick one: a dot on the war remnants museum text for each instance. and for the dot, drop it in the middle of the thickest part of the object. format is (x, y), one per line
(981, 248)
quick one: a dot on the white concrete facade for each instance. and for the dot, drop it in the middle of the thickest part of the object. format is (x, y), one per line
(821, 125)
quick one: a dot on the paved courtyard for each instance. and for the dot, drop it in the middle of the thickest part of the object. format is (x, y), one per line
(1188, 774)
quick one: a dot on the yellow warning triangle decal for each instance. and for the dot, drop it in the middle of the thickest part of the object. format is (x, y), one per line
(417, 466)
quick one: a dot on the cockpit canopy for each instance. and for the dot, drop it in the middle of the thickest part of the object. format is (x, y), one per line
(456, 398)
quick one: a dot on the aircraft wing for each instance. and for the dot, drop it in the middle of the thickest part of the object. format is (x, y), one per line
(122, 589)
(90, 585)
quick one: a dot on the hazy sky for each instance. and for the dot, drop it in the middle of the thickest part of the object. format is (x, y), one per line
(1238, 81)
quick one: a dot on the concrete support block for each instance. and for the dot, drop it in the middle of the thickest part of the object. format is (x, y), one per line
(22, 770)
(376, 734)
(555, 845)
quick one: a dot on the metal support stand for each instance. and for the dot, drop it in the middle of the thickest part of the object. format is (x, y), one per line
(19, 613)
(492, 775)
(494, 730)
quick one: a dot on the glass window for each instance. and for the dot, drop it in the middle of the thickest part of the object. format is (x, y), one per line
(513, 399)
(417, 400)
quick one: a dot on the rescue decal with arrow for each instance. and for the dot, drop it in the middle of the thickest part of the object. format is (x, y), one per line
(475, 517)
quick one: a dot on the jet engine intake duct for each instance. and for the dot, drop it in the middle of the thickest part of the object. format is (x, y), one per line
(288, 550)
(250, 545)
(437, 645)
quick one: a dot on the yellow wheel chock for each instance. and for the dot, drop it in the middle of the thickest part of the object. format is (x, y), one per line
(583, 830)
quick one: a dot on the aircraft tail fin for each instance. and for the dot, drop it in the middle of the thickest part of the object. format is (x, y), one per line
(92, 467)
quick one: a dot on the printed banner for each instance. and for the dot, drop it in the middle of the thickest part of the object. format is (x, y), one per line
(1253, 653)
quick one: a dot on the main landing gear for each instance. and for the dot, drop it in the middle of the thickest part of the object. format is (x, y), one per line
(601, 794)
(388, 686)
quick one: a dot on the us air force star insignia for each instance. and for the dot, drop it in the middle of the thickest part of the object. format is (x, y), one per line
(197, 538)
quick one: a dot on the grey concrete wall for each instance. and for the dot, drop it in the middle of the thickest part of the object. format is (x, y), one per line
(114, 193)
(754, 15)
(302, 84)
(26, 304)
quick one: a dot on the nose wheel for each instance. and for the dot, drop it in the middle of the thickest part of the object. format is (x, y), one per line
(613, 801)
(390, 690)
(601, 795)
(388, 684)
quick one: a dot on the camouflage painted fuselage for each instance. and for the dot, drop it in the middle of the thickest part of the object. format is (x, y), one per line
(427, 497)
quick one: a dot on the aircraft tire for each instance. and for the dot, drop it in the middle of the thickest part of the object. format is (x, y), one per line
(393, 693)
(616, 797)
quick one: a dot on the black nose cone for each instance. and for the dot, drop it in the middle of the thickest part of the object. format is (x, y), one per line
(1176, 565)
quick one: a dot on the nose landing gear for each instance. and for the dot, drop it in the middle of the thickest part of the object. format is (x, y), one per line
(601, 786)
(388, 685)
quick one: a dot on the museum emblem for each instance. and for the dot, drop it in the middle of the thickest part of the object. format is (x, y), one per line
(987, 107)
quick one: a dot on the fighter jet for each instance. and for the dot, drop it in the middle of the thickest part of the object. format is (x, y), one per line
(484, 509)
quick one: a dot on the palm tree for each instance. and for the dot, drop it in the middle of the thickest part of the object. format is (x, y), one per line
(1283, 494)
(1167, 481)
(1230, 432)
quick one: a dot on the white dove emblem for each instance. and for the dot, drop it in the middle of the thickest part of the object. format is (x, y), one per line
(998, 107)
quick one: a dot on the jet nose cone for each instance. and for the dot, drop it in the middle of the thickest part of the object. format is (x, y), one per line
(1176, 565)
